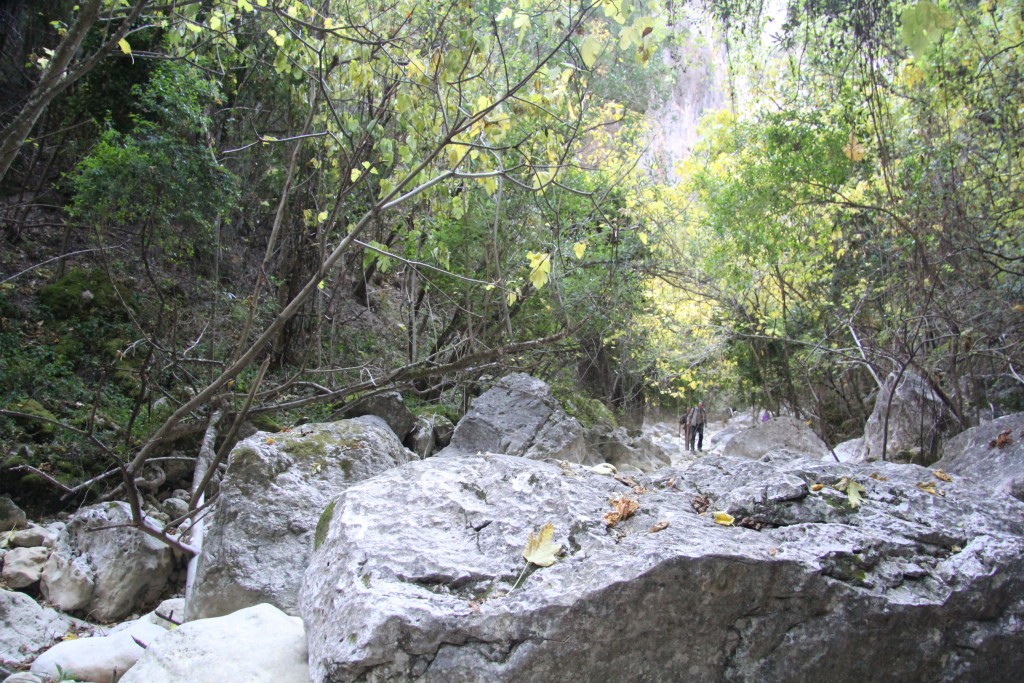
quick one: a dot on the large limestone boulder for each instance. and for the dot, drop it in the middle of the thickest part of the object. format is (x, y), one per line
(258, 644)
(917, 421)
(421, 575)
(104, 568)
(783, 432)
(519, 416)
(991, 454)
(26, 628)
(276, 486)
(99, 659)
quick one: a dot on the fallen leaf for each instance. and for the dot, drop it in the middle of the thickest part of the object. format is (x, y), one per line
(627, 480)
(724, 518)
(663, 524)
(853, 491)
(604, 468)
(939, 474)
(671, 483)
(929, 487)
(773, 551)
(639, 490)
(1002, 441)
(701, 504)
(817, 487)
(623, 508)
(270, 441)
(540, 550)
(878, 477)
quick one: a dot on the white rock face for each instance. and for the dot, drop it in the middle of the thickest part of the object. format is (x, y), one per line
(917, 419)
(26, 628)
(129, 568)
(100, 659)
(519, 416)
(261, 534)
(68, 584)
(259, 644)
(991, 454)
(782, 432)
(421, 576)
(24, 566)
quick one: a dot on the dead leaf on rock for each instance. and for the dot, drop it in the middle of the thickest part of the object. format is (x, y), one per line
(929, 487)
(1002, 441)
(878, 477)
(540, 550)
(939, 474)
(623, 508)
(817, 487)
(773, 551)
(660, 526)
(724, 518)
(671, 483)
(639, 490)
(270, 441)
(701, 504)
(853, 491)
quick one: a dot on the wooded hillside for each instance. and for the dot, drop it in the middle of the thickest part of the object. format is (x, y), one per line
(263, 210)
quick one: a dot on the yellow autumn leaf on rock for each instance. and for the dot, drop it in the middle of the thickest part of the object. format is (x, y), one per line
(724, 518)
(540, 550)
(941, 475)
(853, 491)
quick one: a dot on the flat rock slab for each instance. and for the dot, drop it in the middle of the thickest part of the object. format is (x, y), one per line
(421, 575)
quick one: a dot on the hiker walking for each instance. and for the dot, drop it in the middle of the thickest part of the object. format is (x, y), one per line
(695, 420)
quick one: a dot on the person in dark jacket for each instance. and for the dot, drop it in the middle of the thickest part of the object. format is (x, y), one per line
(696, 419)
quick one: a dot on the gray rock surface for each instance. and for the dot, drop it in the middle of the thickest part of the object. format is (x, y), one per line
(627, 452)
(784, 432)
(389, 407)
(24, 566)
(991, 454)
(26, 628)
(519, 416)
(917, 421)
(68, 583)
(11, 516)
(421, 576)
(258, 644)
(99, 659)
(276, 487)
(421, 439)
(129, 569)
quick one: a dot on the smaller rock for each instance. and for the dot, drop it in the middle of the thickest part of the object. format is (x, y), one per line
(420, 440)
(25, 677)
(67, 584)
(32, 537)
(26, 628)
(11, 516)
(259, 643)
(101, 659)
(388, 406)
(176, 508)
(24, 566)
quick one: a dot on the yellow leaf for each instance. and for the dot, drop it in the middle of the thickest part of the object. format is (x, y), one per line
(540, 550)
(579, 248)
(321, 217)
(643, 237)
(853, 150)
(724, 518)
(660, 526)
(589, 49)
(125, 47)
(354, 176)
(941, 475)
(540, 268)
(512, 298)
(270, 441)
